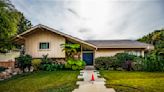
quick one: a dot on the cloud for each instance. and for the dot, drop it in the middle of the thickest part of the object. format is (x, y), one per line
(96, 19)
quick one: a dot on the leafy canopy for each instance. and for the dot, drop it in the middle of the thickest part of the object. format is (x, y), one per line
(12, 22)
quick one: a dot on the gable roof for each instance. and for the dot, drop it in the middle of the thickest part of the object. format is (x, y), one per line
(119, 44)
(95, 43)
(57, 32)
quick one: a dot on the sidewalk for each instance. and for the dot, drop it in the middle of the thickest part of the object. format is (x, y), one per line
(91, 86)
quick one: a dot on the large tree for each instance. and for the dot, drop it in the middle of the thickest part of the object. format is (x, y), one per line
(11, 22)
(155, 38)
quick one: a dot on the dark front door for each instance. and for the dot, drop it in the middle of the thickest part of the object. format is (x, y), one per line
(88, 58)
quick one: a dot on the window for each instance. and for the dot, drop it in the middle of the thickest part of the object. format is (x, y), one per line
(44, 45)
(134, 52)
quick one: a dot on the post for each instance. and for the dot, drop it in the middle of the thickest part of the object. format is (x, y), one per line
(142, 53)
(81, 53)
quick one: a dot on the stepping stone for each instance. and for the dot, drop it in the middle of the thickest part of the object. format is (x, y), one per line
(80, 77)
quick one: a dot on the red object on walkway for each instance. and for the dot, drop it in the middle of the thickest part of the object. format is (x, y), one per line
(93, 79)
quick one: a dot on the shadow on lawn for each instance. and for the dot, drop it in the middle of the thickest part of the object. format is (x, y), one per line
(67, 87)
(124, 88)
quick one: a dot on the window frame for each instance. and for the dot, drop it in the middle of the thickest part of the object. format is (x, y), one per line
(44, 43)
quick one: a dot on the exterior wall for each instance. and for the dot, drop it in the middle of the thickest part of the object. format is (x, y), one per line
(112, 52)
(32, 44)
(9, 56)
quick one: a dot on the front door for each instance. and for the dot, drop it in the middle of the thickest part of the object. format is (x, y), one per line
(88, 58)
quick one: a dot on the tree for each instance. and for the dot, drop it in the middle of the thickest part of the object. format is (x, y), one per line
(154, 60)
(11, 20)
(24, 24)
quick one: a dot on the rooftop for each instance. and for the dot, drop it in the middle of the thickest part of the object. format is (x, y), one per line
(119, 44)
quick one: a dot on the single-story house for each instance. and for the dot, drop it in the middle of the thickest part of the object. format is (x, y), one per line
(41, 40)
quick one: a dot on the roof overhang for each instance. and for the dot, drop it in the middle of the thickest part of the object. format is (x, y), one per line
(21, 36)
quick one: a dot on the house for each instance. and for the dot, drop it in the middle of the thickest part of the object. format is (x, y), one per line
(41, 40)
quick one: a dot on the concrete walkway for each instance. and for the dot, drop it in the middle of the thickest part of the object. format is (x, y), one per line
(91, 86)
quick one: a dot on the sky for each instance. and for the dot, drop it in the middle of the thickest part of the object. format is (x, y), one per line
(96, 19)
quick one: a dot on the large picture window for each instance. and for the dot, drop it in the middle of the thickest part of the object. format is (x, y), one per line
(44, 45)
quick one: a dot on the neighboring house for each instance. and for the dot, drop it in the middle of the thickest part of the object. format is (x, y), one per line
(41, 40)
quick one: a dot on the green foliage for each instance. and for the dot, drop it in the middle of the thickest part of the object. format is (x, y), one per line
(155, 38)
(120, 60)
(24, 61)
(10, 22)
(103, 63)
(24, 24)
(2, 69)
(45, 59)
(154, 60)
(75, 64)
(122, 57)
(48, 64)
(36, 64)
(70, 49)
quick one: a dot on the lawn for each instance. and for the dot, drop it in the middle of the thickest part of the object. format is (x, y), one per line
(123, 81)
(57, 81)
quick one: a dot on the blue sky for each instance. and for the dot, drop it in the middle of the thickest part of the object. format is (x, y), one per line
(96, 19)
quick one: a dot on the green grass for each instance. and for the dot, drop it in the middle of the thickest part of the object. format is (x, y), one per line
(42, 81)
(123, 81)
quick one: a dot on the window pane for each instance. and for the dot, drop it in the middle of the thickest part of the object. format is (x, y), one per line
(44, 45)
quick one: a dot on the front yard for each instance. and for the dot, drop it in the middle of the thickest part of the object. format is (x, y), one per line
(43, 81)
(134, 81)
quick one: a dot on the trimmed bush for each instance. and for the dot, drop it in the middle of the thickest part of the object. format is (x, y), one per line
(103, 63)
(36, 63)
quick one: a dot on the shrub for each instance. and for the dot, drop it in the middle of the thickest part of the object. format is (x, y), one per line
(152, 62)
(24, 61)
(120, 60)
(52, 66)
(103, 63)
(2, 68)
(48, 64)
(75, 64)
(36, 63)
(45, 59)
(125, 60)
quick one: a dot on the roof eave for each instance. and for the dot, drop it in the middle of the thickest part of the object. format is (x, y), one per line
(58, 32)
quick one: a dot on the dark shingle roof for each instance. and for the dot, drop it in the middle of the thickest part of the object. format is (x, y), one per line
(119, 44)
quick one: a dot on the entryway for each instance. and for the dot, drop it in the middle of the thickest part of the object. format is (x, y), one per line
(88, 57)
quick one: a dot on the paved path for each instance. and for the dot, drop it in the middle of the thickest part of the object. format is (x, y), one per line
(91, 86)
